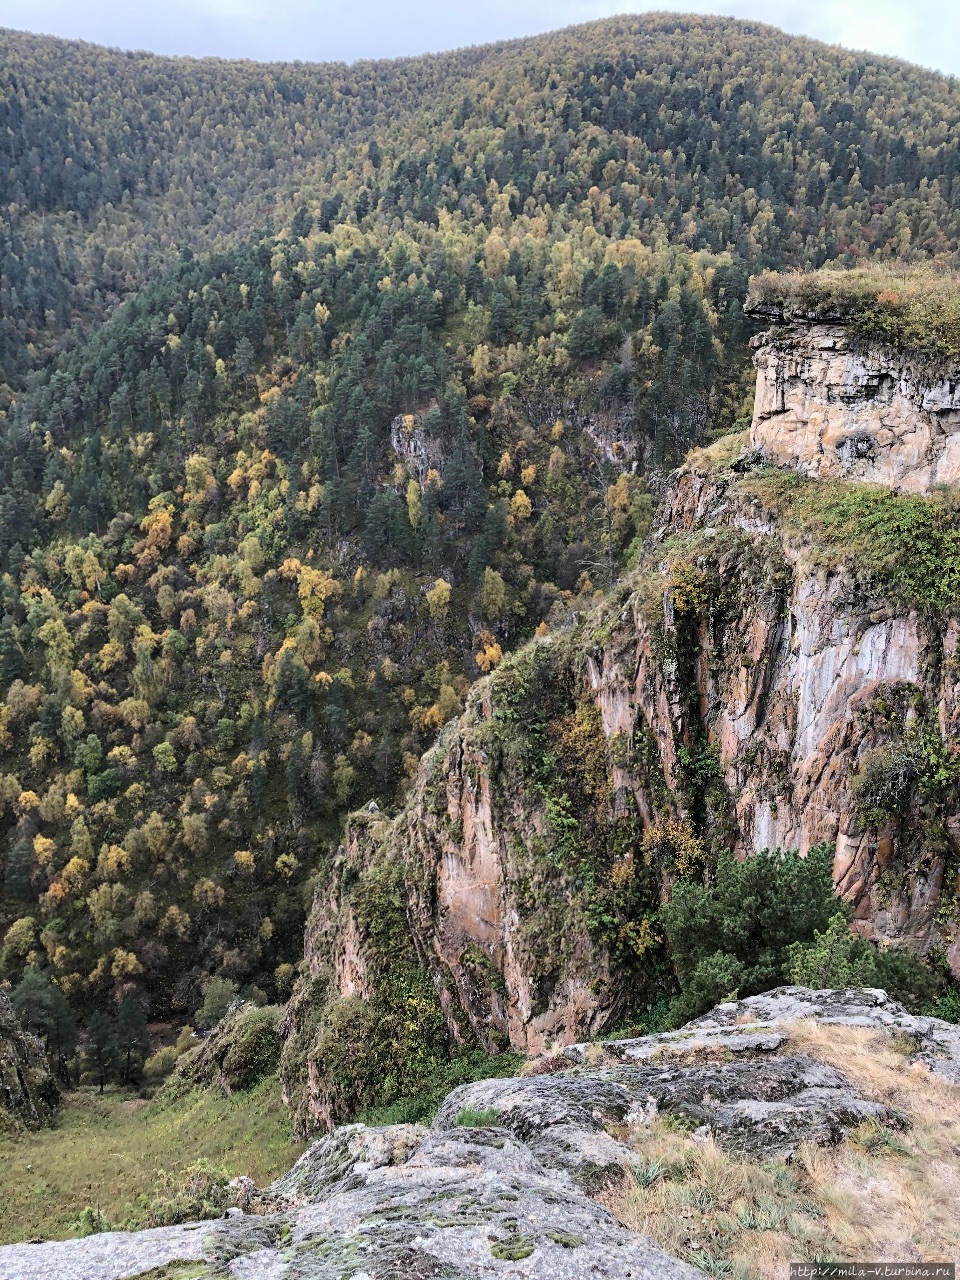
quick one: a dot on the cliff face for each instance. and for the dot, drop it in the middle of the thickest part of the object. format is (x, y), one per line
(739, 690)
(28, 1092)
(830, 410)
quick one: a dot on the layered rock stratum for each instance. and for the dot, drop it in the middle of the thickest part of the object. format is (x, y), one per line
(832, 409)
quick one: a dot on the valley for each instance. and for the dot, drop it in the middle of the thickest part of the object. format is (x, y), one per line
(479, 586)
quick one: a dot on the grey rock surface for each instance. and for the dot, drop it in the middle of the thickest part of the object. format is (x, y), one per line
(762, 1106)
(755, 1025)
(112, 1255)
(512, 1197)
(936, 1043)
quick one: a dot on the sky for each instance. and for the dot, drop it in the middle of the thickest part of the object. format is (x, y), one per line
(923, 31)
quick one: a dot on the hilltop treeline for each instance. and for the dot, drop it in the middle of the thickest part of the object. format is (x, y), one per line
(716, 134)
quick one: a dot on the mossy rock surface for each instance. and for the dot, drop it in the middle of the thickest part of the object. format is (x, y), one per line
(242, 1050)
(28, 1092)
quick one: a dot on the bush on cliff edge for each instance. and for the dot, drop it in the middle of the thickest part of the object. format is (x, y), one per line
(771, 919)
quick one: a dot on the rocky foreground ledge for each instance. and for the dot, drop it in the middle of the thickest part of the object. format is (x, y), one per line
(503, 1183)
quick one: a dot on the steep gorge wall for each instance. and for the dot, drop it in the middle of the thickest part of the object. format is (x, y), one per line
(830, 409)
(737, 690)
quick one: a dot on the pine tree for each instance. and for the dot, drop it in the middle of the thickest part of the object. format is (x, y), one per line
(100, 1053)
(133, 1040)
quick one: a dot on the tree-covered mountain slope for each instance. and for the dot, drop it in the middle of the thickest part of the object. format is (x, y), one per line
(714, 133)
(261, 528)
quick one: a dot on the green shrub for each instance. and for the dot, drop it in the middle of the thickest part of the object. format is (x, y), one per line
(468, 1118)
(839, 958)
(189, 1195)
(90, 1222)
(771, 919)
(253, 1052)
(159, 1065)
(241, 1051)
(836, 958)
(731, 936)
(945, 1006)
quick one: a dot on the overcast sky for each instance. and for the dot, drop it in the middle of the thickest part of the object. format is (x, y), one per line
(924, 31)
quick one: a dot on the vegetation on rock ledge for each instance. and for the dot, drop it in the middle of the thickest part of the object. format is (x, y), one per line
(912, 310)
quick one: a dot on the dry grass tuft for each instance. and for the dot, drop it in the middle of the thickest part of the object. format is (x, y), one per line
(719, 454)
(880, 1195)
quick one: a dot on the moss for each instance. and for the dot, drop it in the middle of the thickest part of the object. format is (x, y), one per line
(512, 1249)
(178, 1269)
(565, 1240)
(903, 547)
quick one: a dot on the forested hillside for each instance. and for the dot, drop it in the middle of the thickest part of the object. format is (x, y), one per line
(408, 344)
(716, 134)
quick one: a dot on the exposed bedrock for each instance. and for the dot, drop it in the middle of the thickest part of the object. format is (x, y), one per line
(830, 409)
(506, 1179)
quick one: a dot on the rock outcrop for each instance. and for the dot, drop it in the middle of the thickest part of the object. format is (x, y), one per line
(28, 1092)
(507, 1179)
(739, 683)
(241, 1051)
(829, 408)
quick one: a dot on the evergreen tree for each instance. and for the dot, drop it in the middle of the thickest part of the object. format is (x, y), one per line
(100, 1052)
(132, 1038)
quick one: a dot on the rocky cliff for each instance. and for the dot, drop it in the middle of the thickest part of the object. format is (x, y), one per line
(831, 408)
(782, 670)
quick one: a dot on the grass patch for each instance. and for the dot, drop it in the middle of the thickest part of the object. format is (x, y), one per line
(876, 1195)
(912, 310)
(106, 1152)
(468, 1118)
(719, 454)
(907, 546)
(422, 1106)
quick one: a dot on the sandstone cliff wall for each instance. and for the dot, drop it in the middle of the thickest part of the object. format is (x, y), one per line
(739, 688)
(830, 410)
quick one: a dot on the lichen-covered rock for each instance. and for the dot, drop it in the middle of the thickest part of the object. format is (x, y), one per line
(338, 1162)
(757, 1104)
(111, 1255)
(935, 1043)
(28, 1092)
(456, 1204)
